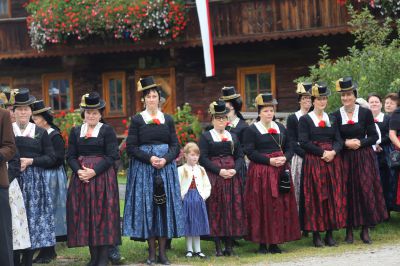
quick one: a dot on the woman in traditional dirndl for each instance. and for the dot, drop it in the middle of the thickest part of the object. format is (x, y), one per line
(365, 202)
(55, 177)
(93, 217)
(382, 149)
(20, 229)
(36, 153)
(292, 123)
(195, 189)
(272, 216)
(236, 123)
(324, 188)
(222, 156)
(153, 205)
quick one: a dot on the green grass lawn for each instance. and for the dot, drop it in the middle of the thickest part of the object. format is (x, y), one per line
(136, 252)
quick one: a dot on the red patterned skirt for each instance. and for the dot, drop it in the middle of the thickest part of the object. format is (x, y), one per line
(272, 217)
(226, 214)
(93, 216)
(365, 201)
(324, 189)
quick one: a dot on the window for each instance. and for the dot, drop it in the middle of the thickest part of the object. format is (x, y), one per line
(5, 8)
(57, 90)
(253, 81)
(5, 83)
(165, 77)
(114, 92)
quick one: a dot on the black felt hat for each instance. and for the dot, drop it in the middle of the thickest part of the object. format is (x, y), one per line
(39, 107)
(92, 101)
(21, 97)
(346, 84)
(218, 108)
(229, 93)
(265, 99)
(320, 89)
(304, 88)
(146, 83)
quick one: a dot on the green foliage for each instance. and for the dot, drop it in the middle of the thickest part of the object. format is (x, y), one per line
(374, 63)
(66, 121)
(188, 127)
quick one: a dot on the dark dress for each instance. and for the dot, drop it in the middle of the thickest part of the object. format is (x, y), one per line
(365, 201)
(272, 216)
(238, 129)
(388, 179)
(394, 124)
(93, 208)
(292, 125)
(35, 190)
(225, 206)
(143, 219)
(324, 188)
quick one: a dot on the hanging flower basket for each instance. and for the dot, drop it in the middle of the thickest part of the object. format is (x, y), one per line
(56, 21)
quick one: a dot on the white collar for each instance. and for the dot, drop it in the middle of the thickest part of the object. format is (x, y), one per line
(235, 122)
(316, 121)
(380, 117)
(50, 130)
(217, 138)
(28, 132)
(95, 133)
(263, 130)
(344, 116)
(299, 114)
(148, 118)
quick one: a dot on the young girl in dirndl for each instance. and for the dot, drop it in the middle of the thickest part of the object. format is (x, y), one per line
(195, 189)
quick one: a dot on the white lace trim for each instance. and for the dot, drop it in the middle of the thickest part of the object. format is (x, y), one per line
(316, 121)
(147, 116)
(50, 130)
(263, 130)
(95, 133)
(217, 138)
(344, 116)
(28, 132)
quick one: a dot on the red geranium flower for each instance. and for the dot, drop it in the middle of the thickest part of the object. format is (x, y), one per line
(376, 120)
(224, 139)
(322, 123)
(124, 121)
(350, 122)
(156, 121)
(272, 131)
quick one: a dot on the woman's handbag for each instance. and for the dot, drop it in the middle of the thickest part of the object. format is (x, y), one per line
(394, 159)
(284, 181)
(159, 196)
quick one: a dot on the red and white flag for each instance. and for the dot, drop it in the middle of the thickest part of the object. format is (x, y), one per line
(206, 36)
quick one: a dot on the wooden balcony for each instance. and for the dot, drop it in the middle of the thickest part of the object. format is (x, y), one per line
(234, 21)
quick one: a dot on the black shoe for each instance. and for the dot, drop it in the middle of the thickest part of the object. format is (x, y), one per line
(219, 253)
(365, 239)
(228, 252)
(262, 249)
(43, 260)
(163, 261)
(317, 240)
(274, 249)
(330, 242)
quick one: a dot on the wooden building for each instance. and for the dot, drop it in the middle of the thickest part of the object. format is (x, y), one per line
(259, 46)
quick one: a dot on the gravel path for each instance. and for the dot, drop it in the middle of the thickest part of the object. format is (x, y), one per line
(382, 256)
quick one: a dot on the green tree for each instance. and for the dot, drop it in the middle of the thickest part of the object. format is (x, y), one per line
(373, 61)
